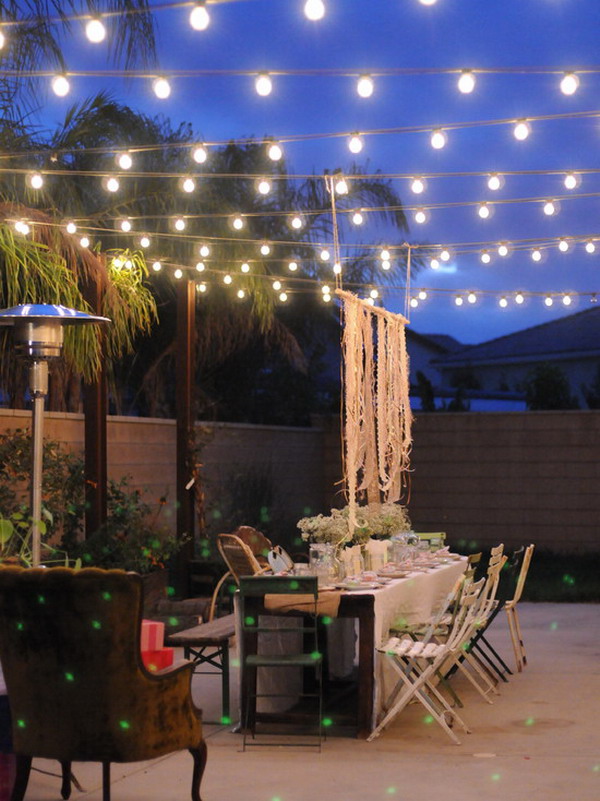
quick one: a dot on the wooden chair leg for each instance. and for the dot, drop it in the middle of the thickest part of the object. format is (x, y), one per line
(200, 756)
(106, 781)
(21, 778)
(514, 638)
(65, 789)
(520, 637)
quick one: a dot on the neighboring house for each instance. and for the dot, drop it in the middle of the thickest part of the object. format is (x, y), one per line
(503, 365)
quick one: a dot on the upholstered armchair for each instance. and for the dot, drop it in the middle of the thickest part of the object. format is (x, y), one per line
(78, 691)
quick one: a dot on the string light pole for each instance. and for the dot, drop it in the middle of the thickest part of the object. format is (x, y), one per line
(38, 337)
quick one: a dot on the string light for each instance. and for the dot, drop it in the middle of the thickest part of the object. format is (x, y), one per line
(428, 2)
(548, 300)
(60, 85)
(472, 297)
(503, 302)
(438, 139)
(417, 185)
(95, 31)
(521, 130)
(263, 186)
(35, 180)
(572, 180)
(466, 82)
(458, 300)
(199, 154)
(422, 294)
(125, 226)
(276, 285)
(161, 88)
(355, 143)
(204, 251)
(292, 266)
(274, 151)
(365, 86)
(241, 294)
(337, 268)
(445, 255)
(567, 300)
(590, 247)
(536, 255)
(296, 222)
(569, 83)
(386, 264)
(314, 10)
(84, 242)
(495, 182)
(71, 228)
(124, 161)
(325, 289)
(200, 267)
(434, 264)
(414, 303)
(178, 274)
(2, 40)
(188, 185)
(111, 184)
(563, 245)
(263, 84)
(357, 218)
(237, 223)
(283, 297)
(227, 279)
(199, 17)
(384, 255)
(374, 293)
(550, 208)
(341, 186)
(484, 211)
(179, 224)
(326, 298)
(21, 227)
(324, 255)
(145, 242)
(485, 257)
(245, 268)
(265, 249)
(421, 216)
(156, 266)
(519, 298)
(503, 249)
(201, 287)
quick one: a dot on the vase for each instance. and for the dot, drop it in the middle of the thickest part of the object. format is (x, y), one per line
(323, 562)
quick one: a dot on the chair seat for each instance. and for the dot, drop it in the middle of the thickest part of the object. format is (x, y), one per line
(414, 650)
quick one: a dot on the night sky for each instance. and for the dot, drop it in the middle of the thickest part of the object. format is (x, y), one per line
(363, 37)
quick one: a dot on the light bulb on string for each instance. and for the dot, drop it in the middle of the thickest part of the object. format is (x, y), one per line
(421, 216)
(124, 161)
(569, 83)
(503, 249)
(503, 302)
(274, 151)
(386, 264)
(472, 298)
(337, 268)
(111, 184)
(519, 298)
(276, 285)
(445, 255)
(283, 297)
(179, 224)
(422, 294)
(201, 288)
(414, 303)
(324, 255)
(341, 186)
(292, 266)
(495, 182)
(263, 186)
(428, 2)
(384, 255)
(536, 255)
(199, 154)
(365, 86)
(548, 300)
(2, 40)
(357, 218)
(237, 223)
(161, 88)
(438, 139)
(434, 264)
(21, 227)
(263, 84)
(521, 130)
(71, 228)
(125, 226)
(466, 82)
(417, 185)
(178, 274)
(572, 180)
(484, 211)
(374, 293)
(204, 251)
(199, 17)
(590, 247)
(563, 245)
(200, 267)
(84, 242)
(241, 293)
(265, 249)
(355, 143)
(550, 208)
(156, 266)
(326, 289)
(567, 300)
(227, 279)
(145, 242)
(35, 180)
(188, 185)
(485, 257)
(245, 267)
(314, 10)
(458, 300)
(326, 298)
(296, 222)
(60, 85)
(95, 30)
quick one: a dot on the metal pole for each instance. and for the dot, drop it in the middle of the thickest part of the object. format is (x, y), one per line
(38, 384)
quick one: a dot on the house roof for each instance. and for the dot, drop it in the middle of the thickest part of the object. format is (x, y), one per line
(443, 343)
(576, 335)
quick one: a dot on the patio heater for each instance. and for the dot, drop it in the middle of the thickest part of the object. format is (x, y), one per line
(38, 337)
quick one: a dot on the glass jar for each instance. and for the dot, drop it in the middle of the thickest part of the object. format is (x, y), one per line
(323, 562)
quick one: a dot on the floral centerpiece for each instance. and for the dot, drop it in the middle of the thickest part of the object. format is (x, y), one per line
(331, 529)
(373, 520)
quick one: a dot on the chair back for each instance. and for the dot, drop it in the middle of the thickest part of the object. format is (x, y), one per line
(523, 573)
(238, 556)
(70, 652)
(466, 614)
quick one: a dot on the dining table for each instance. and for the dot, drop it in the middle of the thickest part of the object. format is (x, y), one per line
(375, 607)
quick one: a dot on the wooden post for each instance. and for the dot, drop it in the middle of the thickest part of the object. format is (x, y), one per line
(95, 435)
(184, 386)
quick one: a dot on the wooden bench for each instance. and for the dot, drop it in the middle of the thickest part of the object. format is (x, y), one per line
(208, 643)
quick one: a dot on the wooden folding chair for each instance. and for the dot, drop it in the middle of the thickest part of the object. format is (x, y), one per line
(512, 614)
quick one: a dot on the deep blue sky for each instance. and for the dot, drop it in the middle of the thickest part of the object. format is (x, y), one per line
(361, 36)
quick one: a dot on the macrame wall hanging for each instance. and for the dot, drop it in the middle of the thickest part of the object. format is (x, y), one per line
(376, 416)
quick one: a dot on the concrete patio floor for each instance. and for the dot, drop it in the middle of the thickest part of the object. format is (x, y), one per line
(539, 741)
